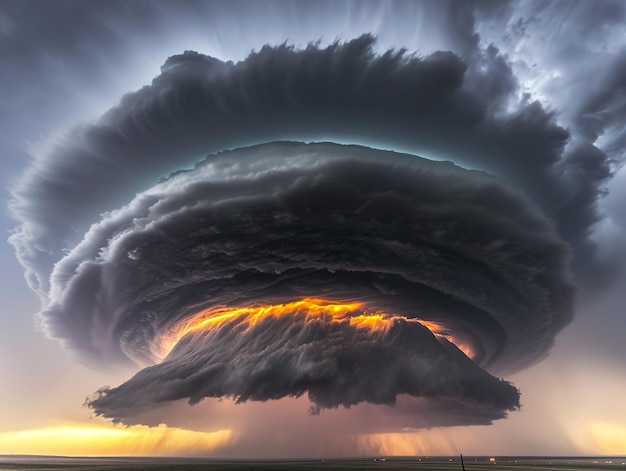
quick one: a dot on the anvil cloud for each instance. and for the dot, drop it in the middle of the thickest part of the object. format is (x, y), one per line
(444, 260)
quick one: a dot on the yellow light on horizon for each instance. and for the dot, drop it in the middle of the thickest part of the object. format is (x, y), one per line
(606, 438)
(113, 440)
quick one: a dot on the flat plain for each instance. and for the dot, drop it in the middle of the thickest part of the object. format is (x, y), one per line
(49, 463)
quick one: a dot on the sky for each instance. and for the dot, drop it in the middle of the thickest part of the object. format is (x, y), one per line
(284, 229)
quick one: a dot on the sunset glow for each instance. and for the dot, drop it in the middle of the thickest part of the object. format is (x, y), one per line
(89, 440)
(605, 438)
(356, 313)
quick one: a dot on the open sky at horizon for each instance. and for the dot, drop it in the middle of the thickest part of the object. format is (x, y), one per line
(405, 183)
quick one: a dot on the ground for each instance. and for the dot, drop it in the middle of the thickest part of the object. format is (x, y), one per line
(390, 464)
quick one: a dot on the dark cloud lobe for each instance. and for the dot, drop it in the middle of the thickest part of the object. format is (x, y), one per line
(335, 363)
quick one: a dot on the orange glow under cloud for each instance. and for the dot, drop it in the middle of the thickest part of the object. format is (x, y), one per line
(89, 440)
(357, 314)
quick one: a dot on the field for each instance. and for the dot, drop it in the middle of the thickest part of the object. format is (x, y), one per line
(44, 463)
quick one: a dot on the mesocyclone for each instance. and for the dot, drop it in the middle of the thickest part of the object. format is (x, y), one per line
(343, 272)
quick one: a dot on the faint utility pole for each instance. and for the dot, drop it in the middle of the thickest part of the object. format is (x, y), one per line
(462, 464)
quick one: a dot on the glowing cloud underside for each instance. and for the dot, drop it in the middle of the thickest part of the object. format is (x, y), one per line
(319, 309)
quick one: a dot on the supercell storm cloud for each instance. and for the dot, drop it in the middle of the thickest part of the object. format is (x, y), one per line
(279, 268)
(351, 253)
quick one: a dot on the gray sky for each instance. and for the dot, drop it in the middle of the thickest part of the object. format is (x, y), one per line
(92, 117)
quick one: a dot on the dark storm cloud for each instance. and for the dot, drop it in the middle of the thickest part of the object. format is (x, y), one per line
(345, 91)
(487, 257)
(285, 221)
(582, 80)
(603, 113)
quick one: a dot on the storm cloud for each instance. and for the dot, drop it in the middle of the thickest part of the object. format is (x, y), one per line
(452, 273)
(433, 106)
(413, 239)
